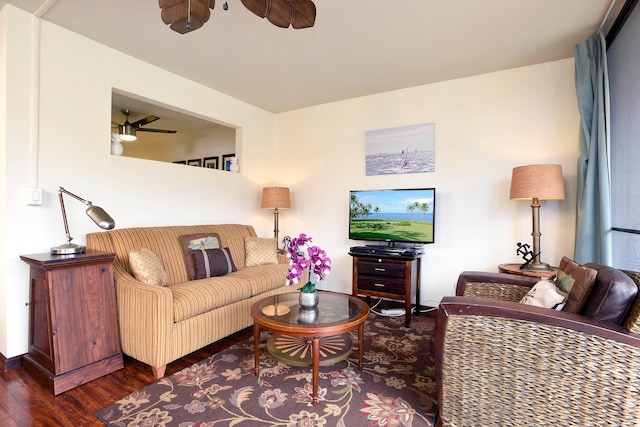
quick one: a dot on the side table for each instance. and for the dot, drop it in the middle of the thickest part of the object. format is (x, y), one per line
(515, 269)
(73, 323)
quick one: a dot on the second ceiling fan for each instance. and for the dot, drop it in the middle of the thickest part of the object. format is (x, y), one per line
(127, 131)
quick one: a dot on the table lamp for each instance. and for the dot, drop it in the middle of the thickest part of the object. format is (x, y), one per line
(96, 213)
(275, 198)
(537, 182)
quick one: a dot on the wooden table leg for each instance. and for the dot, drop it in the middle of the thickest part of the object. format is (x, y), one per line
(256, 348)
(315, 368)
(360, 345)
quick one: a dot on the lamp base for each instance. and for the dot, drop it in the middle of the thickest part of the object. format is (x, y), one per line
(537, 267)
(68, 249)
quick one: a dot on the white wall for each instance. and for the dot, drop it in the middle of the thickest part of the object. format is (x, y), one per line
(60, 136)
(484, 126)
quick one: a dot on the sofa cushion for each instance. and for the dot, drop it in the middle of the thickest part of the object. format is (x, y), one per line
(200, 296)
(263, 278)
(584, 278)
(188, 242)
(260, 251)
(212, 262)
(544, 294)
(147, 267)
(613, 294)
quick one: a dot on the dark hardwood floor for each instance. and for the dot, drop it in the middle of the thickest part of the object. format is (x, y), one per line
(23, 402)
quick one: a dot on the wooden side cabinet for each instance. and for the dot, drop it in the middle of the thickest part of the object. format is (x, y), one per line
(73, 325)
(388, 276)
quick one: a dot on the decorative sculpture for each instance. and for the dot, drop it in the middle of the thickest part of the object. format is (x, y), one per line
(524, 250)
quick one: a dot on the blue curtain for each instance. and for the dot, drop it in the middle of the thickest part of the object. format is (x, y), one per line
(593, 216)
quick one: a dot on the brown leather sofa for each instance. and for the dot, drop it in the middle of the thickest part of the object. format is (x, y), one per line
(500, 362)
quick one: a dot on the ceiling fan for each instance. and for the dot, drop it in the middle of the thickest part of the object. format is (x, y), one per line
(184, 16)
(127, 131)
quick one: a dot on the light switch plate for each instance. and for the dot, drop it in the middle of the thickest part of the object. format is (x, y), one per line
(34, 196)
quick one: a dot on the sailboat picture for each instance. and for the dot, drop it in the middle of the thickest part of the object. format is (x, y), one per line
(408, 149)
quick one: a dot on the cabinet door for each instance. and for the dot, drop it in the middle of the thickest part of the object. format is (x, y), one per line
(85, 329)
(40, 334)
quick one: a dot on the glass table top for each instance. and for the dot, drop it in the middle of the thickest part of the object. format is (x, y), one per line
(332, 308)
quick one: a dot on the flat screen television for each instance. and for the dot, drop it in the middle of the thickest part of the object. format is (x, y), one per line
(404, 216)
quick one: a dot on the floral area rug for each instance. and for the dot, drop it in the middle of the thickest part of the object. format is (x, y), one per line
(396, 387)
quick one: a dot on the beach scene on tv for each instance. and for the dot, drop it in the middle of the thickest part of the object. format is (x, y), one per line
(392, 215)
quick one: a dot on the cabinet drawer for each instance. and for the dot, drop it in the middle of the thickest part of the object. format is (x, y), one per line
(381, 284)
(385, 269)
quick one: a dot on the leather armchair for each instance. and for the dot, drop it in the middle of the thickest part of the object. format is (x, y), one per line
(499, 362)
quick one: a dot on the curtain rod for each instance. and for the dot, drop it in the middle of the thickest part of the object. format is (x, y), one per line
(606, 15)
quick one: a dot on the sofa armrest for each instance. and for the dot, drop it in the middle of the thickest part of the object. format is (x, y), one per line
(506, 363)
(282, 258)
(145, 314)
(501, 286)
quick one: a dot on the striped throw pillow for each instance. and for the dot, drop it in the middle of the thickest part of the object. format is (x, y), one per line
(212, 262)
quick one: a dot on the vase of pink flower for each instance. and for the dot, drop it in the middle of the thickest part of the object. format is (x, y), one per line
(303, 256)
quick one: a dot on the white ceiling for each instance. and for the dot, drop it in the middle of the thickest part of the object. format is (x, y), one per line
(356, 48)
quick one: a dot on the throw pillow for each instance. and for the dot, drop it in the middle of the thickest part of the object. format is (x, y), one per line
(147, 267)
(544, 294)
(198, 240)
(213, 262)
(260, 250)
(583, 280)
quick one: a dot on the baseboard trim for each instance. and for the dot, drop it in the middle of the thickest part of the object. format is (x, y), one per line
(11, 364)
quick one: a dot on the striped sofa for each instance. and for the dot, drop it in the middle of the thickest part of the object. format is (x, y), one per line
(159, 324)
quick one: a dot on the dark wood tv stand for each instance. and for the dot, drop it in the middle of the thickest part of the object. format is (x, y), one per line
(388, 276)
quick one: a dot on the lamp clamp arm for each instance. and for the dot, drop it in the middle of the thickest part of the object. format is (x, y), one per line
(62, 190)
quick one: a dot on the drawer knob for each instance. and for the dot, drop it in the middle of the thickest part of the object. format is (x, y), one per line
(380, 269)
(380, 285)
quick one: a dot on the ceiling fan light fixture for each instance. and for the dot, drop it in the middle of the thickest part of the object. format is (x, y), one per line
(127, 132)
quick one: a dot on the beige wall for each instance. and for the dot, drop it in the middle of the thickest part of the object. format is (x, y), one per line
(57, 117)
(484, 126)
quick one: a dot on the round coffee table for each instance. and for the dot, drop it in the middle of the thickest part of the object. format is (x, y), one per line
(302, 337)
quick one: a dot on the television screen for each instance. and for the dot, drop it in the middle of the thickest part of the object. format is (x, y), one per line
(403, 215)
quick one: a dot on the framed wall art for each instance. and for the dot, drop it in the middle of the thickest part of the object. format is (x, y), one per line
(180, 162)
(226, 161)
(210, 162)
(408, 149)
(195, 162)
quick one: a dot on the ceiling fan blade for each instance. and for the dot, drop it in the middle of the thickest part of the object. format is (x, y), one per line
(182, 19)
(282, 13)
(156, 130)
(304, 14)
(144, 121)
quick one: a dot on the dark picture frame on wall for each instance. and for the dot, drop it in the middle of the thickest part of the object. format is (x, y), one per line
(210, 162)
(226, 161)
(180, 162)
(195, 162)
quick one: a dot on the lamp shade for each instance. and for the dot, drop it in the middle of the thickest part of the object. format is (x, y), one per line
(275, 198)
(543, 182)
